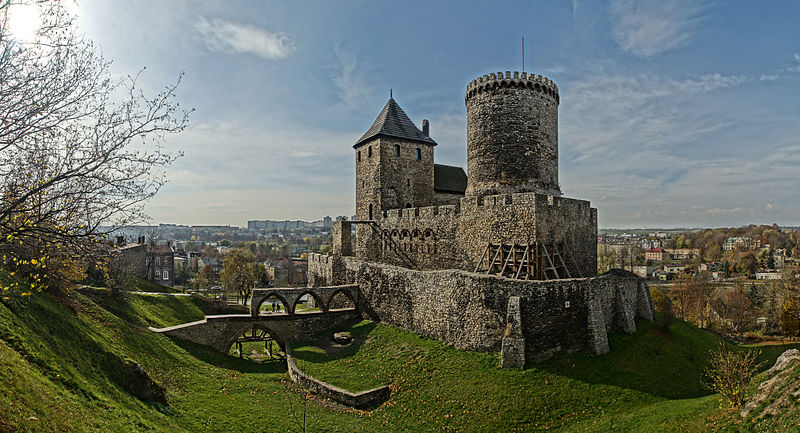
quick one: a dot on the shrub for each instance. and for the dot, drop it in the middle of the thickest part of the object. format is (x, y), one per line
(730, 371)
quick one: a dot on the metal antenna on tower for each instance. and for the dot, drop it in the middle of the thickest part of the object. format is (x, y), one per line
(523, 54)
(390, 93)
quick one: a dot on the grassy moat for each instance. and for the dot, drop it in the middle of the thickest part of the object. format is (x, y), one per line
(58, 364)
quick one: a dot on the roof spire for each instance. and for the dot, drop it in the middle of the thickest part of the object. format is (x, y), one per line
(390, 93)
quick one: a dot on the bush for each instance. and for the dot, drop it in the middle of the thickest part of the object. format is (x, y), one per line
(730, 371)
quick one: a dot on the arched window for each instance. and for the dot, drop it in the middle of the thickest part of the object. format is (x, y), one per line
(370, 211)
(408, 205)
(419, 153)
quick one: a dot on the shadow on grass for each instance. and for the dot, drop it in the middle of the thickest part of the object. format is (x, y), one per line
(358, 329)
(662, 363)
(228, 362)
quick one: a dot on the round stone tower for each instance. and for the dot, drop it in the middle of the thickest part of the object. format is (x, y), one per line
(512, 134)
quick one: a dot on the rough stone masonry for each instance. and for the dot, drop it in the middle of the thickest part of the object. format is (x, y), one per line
(423, 230)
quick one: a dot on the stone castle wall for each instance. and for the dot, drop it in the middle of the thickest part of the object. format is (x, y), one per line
(455, 237)
(470, 311)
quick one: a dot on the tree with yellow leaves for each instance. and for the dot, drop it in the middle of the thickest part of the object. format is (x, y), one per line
(80, 151)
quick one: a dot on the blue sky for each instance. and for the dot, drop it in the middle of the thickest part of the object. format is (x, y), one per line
(673, 113)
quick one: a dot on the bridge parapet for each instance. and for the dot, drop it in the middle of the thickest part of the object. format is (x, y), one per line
(290, 296)
(222, 331)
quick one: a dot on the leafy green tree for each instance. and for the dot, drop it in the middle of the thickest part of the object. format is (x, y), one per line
(241, 273)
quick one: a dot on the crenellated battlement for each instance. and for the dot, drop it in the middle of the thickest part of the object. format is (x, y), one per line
(420, 212)
(522, 199)
(499, 80)
(319, 258)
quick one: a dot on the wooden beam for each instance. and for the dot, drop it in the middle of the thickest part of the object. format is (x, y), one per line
(491, 264)
(550, 261)
(485, 252)
(522, 262)
(508, 258)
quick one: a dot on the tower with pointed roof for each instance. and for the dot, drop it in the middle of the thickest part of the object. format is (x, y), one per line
(394, 167)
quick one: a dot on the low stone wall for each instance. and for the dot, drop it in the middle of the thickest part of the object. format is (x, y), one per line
(471, 311)
(362, 400)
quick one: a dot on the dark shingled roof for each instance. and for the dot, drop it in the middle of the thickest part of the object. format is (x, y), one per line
(393, 122)
(447, 178)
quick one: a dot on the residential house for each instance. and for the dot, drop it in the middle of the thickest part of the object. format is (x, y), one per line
(656, 254)
(709, 267)
(645, 271)
(154, 262)
(779, 258)
(737, 243)
(769, 275)
(682, 253)
(216, 265)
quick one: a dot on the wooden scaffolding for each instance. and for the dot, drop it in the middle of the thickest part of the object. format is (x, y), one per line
(535, 261)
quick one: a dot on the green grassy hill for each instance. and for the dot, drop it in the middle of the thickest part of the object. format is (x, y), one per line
(59, 371)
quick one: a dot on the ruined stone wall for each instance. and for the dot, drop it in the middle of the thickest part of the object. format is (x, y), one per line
(470, 311)
(512, 134)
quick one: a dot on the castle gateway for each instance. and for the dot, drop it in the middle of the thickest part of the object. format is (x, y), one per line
(495, 259)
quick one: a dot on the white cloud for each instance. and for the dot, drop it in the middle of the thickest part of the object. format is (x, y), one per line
(234, 169)
(768, 77)
(350, 78)
(659, 151)
(227, 36)
(797, 57)
(645, 111)
(649, 27)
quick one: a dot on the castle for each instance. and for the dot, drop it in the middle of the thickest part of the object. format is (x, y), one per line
(432, 216)
(493, 260)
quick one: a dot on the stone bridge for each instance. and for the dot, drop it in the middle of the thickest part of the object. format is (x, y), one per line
(290, 297)
(221, 331)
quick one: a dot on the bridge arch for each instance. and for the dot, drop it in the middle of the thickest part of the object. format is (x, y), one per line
(332, 300)
(322, 306)
(286, 305)
(247, 327)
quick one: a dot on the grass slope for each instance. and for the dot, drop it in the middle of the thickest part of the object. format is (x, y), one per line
(650, 381)
(151, 310)
(58, 364)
